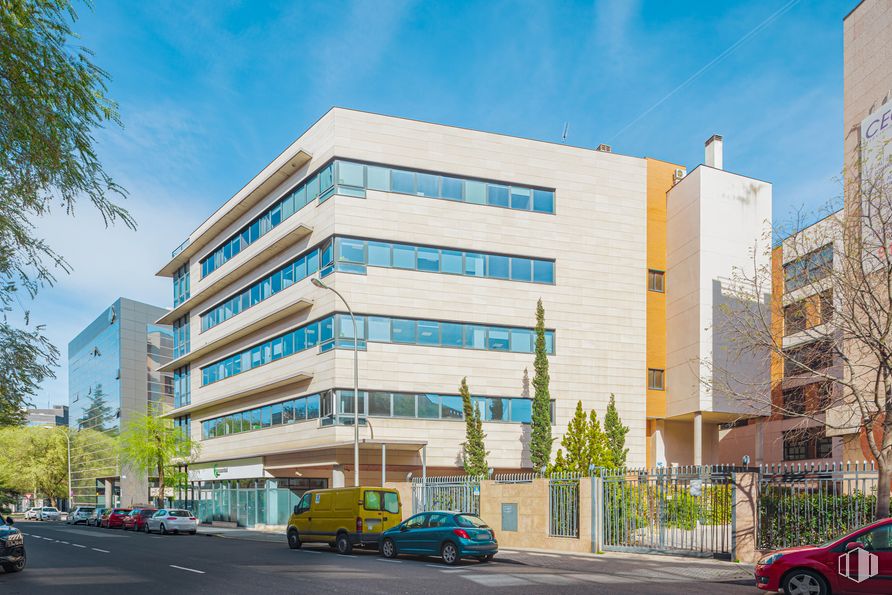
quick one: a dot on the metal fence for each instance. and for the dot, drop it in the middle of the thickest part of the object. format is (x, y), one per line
(682, 510)
(563, 506)
(812, 503)
(459, 493)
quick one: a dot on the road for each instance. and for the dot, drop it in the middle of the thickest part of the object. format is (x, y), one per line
(63, 559)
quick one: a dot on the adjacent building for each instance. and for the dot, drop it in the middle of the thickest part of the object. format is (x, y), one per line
(55, 416)
(442, 240)
(114, 374)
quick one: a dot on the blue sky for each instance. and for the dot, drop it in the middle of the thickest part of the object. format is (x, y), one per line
(210, 92)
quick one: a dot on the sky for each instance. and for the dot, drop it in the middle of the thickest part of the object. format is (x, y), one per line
(209, 92)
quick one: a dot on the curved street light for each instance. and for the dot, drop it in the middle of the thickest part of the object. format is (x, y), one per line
(318, 283)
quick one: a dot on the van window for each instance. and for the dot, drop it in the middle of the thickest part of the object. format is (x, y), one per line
(304, 503)
(391, 502)
(372, 500)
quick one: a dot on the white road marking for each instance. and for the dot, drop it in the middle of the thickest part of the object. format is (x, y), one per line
(187, 569)
(78, 545)
(65, 542)
(309, 551)
(96, 549)
(388, 560)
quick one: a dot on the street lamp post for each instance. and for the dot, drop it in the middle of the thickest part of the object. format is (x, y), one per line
(318, 283)
(68, 441)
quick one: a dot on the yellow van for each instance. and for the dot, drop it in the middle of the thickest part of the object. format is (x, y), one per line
(344, 517)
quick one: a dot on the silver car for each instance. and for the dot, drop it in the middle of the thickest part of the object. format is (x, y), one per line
(80, 515)
(172, 520)
(49, 513)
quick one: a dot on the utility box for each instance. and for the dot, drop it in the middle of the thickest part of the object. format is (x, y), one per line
(509, 516)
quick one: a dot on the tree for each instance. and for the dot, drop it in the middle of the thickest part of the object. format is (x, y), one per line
(540, 434)
(34, 459)
(841, 271)
(474, 450)
(584, 442)
(52, 98)
(154, 445)
(615, 433)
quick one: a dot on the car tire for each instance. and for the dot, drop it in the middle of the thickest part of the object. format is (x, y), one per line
(146, 528)
(388, 548)
(163, 529)
(294, 542)
(193, 532)
(343, 545)
(16, 567)
(801, 581)
(449, 553)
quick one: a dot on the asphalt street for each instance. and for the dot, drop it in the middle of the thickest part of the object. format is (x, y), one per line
(63, 559)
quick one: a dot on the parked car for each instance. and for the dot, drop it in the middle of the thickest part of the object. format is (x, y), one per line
(81, 514)
(31, 513)
(136, 520)
(450, 535)
(173, 520)
(344, 517)
(12, 547)
(114, 519)
(821, 569)
(49, 513)
(96, 516)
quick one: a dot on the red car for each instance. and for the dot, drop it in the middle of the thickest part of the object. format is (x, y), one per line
(860, 562)
(115, 518)
(136, 520)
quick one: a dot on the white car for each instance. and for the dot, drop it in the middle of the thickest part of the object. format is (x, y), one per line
(32, 513)
(81, 514)
(172, 520)
(49, 513)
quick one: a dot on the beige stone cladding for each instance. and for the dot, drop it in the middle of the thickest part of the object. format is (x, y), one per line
(596, 306)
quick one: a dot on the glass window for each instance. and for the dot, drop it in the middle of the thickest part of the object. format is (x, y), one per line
(277, 414)
(521, 341)
(549, 342)
(312, 262)
(497, 266)
(475, 192)
(379, 404)
(288, 412)
(326, 329)
(453, 408)
(288, 276)
(496, 409)
(451, 334)
(379, 329)
(521, 410)
(475, 264)
(288, 206)
(520, 198)
(379, 254)
(300, 268)
(451, 262)
(451, 188)
(655, 281)
(429, 260)
(428, 406)
(378, 178)
(371, 500)
(351, 250)
(498, 339)
(402, 331)
(497, 195)
(543, 201)
(521, 269)
(391, 502)
(351, 174)
(426, 185)
(543, 271)
(428, 332)
(475, 337)
(312, 335)
(326, 178)
(655, 379)
(403, 256)
(300, 409)
(300, 198)
(402, 181)
(403, 405)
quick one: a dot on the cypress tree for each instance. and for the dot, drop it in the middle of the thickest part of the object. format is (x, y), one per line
(596, 443)
(474, 455)
(540, 435)
(575, 441)
(616, 436)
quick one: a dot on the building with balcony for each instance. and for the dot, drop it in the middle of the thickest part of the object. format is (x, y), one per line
(442, 240)
(114, 375)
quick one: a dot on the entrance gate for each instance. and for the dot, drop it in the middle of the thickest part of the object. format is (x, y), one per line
(673, 510)
(460, 493)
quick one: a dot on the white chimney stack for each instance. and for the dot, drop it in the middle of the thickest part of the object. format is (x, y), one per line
(714, 151)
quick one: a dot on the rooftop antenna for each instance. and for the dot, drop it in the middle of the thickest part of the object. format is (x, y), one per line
(566, 132)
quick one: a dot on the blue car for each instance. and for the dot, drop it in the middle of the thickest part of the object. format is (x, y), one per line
(450, 535)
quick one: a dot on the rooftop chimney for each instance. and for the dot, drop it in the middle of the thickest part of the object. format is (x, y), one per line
(714, 151)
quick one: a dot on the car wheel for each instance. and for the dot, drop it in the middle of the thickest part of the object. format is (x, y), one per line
(15, 567)
(343, 544)
(163, 529)
(294, 539)
(804, 582)
(146, 528)
(388, 548)
(449, 553)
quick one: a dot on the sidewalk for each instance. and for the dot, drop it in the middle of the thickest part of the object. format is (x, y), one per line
(269, 536)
